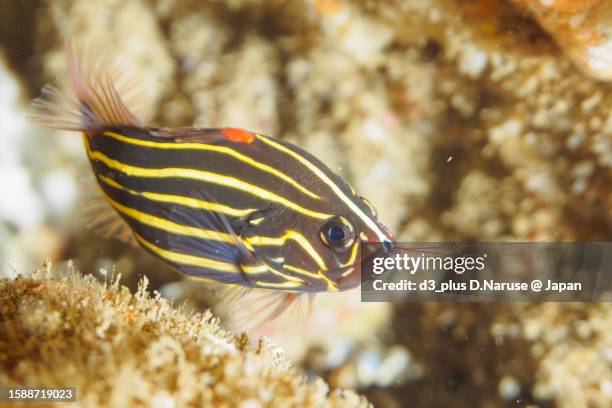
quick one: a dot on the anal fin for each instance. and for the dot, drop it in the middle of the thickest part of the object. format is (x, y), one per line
(250, 309)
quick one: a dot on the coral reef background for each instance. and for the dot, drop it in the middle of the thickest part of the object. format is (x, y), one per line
(120, 349)
(460, 120)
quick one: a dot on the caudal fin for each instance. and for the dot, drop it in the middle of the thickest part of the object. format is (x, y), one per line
(89, 97)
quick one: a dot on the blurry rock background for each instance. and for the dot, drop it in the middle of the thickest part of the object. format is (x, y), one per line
(460, 120)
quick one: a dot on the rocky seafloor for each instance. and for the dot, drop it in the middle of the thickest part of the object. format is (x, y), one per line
(482, 120)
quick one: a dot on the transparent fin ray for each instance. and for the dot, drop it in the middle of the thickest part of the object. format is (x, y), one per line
(249, 309)
(98, 215)
(189, 134)
(95, 93)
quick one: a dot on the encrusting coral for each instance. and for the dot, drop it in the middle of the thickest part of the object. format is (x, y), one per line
(61, 329)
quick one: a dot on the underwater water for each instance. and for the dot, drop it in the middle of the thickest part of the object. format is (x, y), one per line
(460, 121)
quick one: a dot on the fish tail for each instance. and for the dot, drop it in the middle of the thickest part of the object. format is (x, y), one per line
(89, 97)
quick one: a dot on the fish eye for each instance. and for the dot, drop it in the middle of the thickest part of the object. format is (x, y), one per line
(370, 207)
(338, 233)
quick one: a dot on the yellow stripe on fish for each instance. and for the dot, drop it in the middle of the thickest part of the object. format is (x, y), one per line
(185, 259)
(213, 148)
(169, 226)
(205, 176)
(186, 201)
(289, 235)
(333, 186)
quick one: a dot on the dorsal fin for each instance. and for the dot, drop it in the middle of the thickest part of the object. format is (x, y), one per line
(205, 135)
(190, 134)
(89, 97)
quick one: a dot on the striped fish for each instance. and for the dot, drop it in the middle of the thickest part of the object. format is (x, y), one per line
(218, 204)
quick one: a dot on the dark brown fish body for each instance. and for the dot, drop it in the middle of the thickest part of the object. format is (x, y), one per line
(260, 185)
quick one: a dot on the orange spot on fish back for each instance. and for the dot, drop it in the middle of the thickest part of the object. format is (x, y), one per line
(238, 135)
